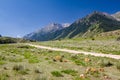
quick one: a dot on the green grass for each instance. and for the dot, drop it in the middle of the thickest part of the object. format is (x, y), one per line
(4, 76)
(79, 63)
(70, 72)
(30, 63)
(56, 74)
(2, 62)
(34, 60)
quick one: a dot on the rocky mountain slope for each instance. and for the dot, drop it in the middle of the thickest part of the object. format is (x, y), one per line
(43, 33)
(117, 15)
(92, 24)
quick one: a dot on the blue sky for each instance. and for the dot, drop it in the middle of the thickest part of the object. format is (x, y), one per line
(19, 17)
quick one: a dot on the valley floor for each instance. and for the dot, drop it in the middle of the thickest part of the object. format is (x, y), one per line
(23, 62)
(76, 52)
(106, 46)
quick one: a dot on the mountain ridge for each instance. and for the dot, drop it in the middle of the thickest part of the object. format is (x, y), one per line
(79, 27)
(117, 15)
(50, 28)
(88, 26)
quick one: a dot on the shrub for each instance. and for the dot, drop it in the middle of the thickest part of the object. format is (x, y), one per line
(104, 63)
(93, 39)
(20, 69)
(37, 71)
(2, 57)
(23, 72)
(24, 46)
(74, 56)
(56, 74)
(118, 66)
(118, 39)
(70, 71)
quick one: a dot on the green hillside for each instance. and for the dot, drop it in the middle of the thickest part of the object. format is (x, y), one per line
(5, 40)
(89, 26)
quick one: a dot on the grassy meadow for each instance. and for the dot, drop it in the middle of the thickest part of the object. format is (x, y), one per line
(110, 46)
(21, 62)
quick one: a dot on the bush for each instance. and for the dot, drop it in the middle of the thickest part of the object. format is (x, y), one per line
(37, 71)
(74, 56)
(93, 39)
(118, 66)
(24, 46)
(118, 39)
(56, 74)
(105, 63)
(20, 69)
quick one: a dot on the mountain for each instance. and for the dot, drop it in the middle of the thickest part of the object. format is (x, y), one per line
(92, 24)
(43, 33)
(89, 26)
(117, 15)
(0, 36)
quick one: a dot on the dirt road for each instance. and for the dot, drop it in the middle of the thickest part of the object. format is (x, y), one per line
(77, 52)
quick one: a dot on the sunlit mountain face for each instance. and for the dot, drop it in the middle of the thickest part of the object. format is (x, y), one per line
(117, 15)
(50, 28)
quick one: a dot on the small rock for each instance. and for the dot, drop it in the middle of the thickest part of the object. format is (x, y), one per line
(87, 70)
(82, 76)
(66, 61)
